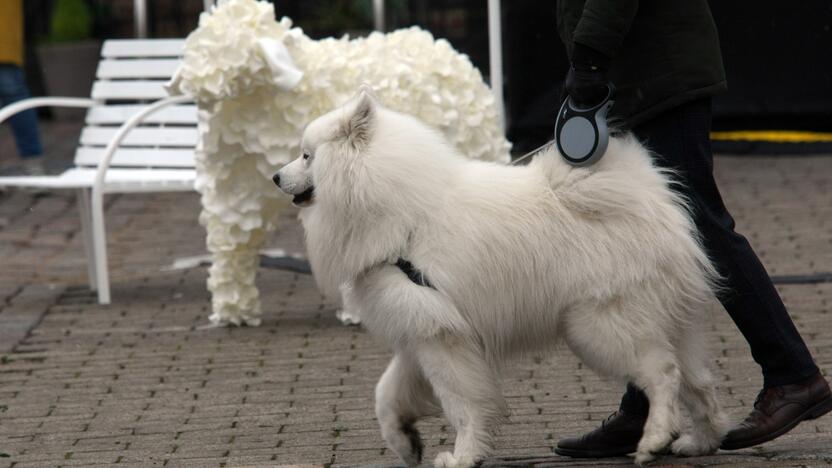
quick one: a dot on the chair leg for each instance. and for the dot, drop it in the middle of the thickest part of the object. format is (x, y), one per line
(83, 196)
(99, 243)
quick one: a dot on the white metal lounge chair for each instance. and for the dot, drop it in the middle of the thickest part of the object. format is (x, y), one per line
(136, 139)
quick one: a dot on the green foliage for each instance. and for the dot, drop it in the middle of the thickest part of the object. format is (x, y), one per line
(71, 21)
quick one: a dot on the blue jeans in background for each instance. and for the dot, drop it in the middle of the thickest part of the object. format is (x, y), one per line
(24, 124)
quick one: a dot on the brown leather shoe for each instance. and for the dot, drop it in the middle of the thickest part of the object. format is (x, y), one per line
(618, 435)
(778, 410)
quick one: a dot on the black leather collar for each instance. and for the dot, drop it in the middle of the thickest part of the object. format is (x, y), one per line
(413, 274)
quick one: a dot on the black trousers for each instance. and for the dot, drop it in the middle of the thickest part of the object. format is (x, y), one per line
(680, 140)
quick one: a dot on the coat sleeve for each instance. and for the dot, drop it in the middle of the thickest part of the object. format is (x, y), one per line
(604, 24)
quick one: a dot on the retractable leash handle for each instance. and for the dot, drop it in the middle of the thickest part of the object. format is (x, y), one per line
(581, 134)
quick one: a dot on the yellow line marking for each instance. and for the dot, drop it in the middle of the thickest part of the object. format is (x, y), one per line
(777, 136)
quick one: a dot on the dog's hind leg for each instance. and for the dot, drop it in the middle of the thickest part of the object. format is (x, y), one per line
(469, 391)
(608, 340)
(658, 374)
(709, 423)
(403, 396)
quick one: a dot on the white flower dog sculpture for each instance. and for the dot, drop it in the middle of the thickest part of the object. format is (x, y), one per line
(253, 104)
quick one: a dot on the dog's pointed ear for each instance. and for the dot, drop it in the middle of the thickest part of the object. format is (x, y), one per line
(357, 128)
(367, 89)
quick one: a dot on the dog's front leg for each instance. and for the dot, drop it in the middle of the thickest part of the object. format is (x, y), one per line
(403, 396)
(468, 390)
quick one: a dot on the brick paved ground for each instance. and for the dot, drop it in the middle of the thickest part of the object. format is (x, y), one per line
(144, 382)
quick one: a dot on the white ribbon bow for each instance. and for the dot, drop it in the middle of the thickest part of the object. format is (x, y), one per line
(286, 74)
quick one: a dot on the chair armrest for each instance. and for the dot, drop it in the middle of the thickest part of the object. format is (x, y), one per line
(129, 124)
(32, 103)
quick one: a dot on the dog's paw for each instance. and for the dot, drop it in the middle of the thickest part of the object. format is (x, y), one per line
(416, 448)
(651, 445)
(405, 441)
(348, 317)
(642, 458)
(689, 445)
(411, 460)
(444, 460)
(448, 460)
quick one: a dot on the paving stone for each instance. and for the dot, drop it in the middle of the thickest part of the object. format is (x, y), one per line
(140, 383)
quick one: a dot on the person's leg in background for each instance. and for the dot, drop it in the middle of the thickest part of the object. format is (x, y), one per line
(24, 124)
(680, 140)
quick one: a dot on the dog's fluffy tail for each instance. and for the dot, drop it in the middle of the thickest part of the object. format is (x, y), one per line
(627, 184)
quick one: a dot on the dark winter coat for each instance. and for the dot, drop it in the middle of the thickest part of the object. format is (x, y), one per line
(664, 52)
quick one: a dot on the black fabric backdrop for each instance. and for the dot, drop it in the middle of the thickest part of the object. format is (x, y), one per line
(776, 56)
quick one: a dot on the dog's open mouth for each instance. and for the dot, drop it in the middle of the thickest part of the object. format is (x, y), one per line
(305, 197)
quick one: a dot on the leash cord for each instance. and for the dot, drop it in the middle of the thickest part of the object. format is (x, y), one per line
(532, 153)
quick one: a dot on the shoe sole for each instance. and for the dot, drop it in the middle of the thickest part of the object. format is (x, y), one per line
(820, 409)
(621, 452)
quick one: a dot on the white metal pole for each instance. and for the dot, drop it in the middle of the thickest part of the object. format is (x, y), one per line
(83, 196)
(495, 57)
(208, 4)
(140, 18)
(378, 15)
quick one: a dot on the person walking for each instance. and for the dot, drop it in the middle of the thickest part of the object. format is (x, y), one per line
(13, 87)
(664, 60)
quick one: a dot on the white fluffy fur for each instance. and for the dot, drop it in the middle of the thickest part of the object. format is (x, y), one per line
(603, 257)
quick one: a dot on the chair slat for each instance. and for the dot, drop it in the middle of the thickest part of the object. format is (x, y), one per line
(128, 90)
(143, 136)
(137, 157)
(117, 180)
(136, 69)
(149, 180)
(117, 114)
(120, 48)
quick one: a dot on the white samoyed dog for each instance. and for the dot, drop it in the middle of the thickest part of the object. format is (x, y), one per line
(460, 265)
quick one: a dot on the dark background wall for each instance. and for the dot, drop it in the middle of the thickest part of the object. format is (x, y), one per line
(777, 54)
(777, 57)
(535, 63)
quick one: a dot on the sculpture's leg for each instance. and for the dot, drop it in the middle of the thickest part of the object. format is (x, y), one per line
(234, 295)
(239, 207)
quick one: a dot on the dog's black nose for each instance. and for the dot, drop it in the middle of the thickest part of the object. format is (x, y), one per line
(276, 179)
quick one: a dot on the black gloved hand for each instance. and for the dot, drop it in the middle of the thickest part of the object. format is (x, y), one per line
(586, 81)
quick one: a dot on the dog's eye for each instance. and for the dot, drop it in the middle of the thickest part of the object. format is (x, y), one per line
(305, 155)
